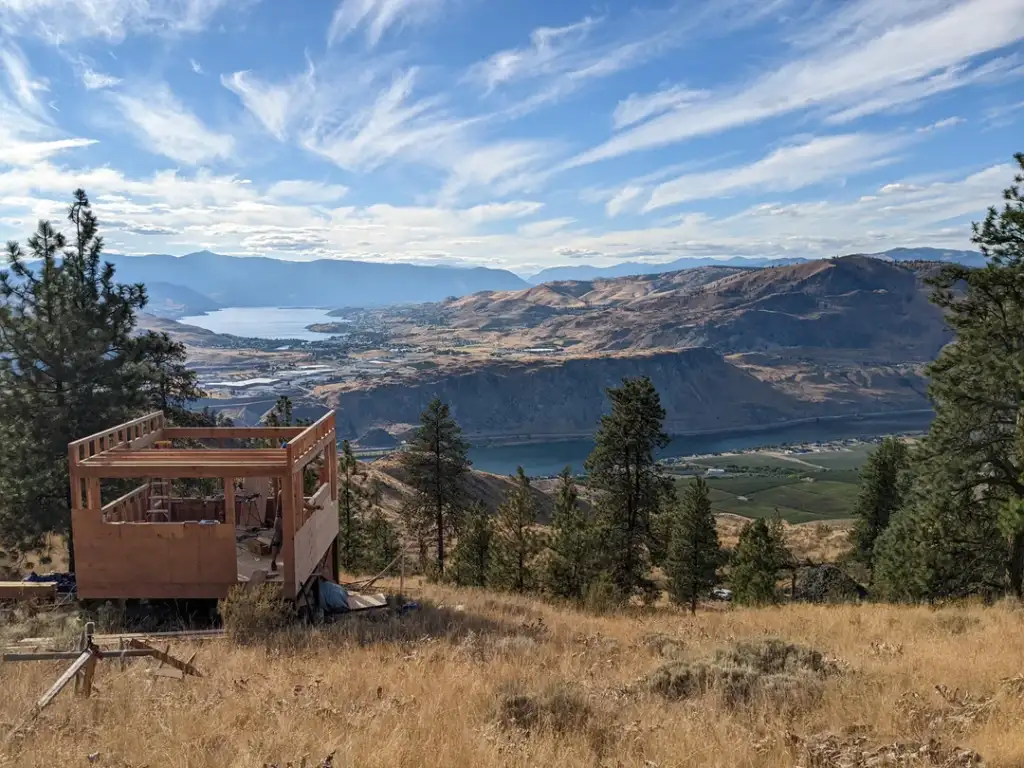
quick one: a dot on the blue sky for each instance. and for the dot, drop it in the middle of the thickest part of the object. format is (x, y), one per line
(511, 133)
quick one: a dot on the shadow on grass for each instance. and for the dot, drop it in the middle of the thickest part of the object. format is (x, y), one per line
(398, 624)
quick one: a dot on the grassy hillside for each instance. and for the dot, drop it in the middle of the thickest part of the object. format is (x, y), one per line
(474, 680)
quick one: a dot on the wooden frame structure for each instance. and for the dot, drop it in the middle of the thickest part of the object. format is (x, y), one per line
(126, 549)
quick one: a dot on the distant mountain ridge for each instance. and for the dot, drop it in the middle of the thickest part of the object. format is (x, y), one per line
(632, 268)
(204, 281)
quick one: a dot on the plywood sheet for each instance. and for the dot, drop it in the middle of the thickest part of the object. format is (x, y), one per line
(312, 542)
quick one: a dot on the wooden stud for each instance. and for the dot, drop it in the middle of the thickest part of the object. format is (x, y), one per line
(229, 501)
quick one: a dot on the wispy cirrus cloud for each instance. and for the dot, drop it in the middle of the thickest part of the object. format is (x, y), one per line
(376, 17)
(885, 66)
(275, 105)
(788, 168)
(163, 125)
(22, 84)
(93, 80)
(59, 21)
(552, 51)
(639, 107)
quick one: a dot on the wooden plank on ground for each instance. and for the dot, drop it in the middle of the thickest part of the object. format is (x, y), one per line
(357, 602)
(166, 658)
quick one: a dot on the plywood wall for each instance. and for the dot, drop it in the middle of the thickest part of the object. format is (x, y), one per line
(152, 560)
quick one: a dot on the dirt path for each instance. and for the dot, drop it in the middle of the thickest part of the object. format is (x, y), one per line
(787, 457)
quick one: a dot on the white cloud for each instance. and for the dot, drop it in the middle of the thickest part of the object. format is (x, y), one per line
(549, 52)
(938, 125)
(841, 76)
(229, 214)
(786, 169)
(196, 67)
(21, 83)
(394, 124)
(544, 228)
(165, 126)
(639, 107)
(275, 105)
(622, 200)
(309, 192)
(60, 21)
(377, 16)
(93, 80)
(26, 153)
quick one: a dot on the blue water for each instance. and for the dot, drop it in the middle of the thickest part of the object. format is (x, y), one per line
(543, 459)
(263, 322)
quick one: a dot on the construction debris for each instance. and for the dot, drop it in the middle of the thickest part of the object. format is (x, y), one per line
(83, 668)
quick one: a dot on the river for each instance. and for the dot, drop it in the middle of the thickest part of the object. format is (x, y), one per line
(541, 459)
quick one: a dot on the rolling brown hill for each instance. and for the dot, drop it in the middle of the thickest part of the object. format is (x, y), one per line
(848, 303)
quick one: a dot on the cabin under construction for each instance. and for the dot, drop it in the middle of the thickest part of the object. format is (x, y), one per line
(206, 493)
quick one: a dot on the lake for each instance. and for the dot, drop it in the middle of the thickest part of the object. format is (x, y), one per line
(263, 322)
(543, 459)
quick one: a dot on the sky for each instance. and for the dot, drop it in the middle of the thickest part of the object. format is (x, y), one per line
(511, 133)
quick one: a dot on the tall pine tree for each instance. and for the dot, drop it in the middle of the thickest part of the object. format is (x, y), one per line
(973, 455)
(759, 556)
(571, 564)
(633, 488)
(471, 558)
(357, 497)
(381, 540)
(694, 552)
(884, 489)
(69, 367)
(437, 463)
(516, 541)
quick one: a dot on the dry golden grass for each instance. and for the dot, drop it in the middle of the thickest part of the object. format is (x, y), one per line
(819, 542)
(446, 685)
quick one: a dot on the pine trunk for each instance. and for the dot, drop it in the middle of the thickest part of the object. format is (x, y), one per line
(1016, 567)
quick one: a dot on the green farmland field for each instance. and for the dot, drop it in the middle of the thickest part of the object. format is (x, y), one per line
(759, 486)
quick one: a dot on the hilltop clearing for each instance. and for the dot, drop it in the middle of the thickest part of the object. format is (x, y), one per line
(478, 679)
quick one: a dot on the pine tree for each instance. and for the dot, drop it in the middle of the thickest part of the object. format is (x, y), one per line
(381, 542)
(759, 556)
(973, 455)
(571, 565)
(883, 491)
(516, 541)
(68, 367)
(164, 381)
(694, 552)
(945, 543)
(357, 497)
(471, 557)
(437, 463)
(633, 488)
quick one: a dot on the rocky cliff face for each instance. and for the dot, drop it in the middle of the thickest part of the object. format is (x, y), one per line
(700, 390)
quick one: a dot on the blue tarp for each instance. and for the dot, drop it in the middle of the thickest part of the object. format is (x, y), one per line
(65, 581)
(333, 597)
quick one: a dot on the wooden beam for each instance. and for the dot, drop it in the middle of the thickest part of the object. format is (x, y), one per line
(311, 453)
(288, 511)
(231, 433)
(229, 501)
(165, 658)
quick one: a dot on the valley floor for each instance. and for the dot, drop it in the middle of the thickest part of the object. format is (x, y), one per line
(478, 679)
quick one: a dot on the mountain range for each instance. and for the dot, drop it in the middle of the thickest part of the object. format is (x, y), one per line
(727, 347)
(201, 282)
(204, 281)
(632, 268)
